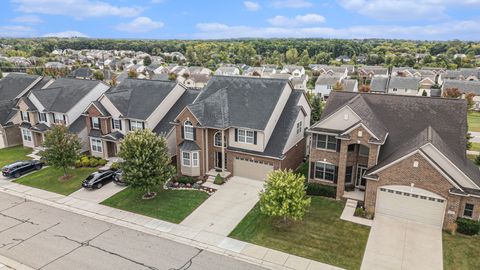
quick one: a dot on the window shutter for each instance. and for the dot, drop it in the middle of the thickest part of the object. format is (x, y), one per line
(335, 176)
(194, 134)
(65, 119)
(314, 140)
(182, 128)
(113, 124)
(339, 143)
(91, 122)
(143, 125)
(236, 134)
(312, 170)
(120, 123)
(255, 137)
(28, 116)
(129, 125)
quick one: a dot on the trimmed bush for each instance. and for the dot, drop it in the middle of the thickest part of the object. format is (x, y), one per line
(78, 164)
(186, 180)
(115, 166)
(102, 162)
(315, 189)
(93, 162)
(218, 180)
(468, 226)
(85, 162)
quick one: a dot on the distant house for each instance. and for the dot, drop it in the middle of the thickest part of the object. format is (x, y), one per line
(403, 85)
(82, 73)
(199, 70)
(56, 65)
(325, 84)
(296, 71)
(227, 71)
(343, 58)
(350, 85)
(465, 87)
(196, 81)
(379, 84)
(467, 74)
(366, 73)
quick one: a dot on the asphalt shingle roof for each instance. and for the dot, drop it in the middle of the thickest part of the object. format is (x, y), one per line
(14, 84)
(6, 111)
(404, 82)
(138, 99)
(379, 84)
(231, 101)
(165, 125)
(64, 93)
(463, 86)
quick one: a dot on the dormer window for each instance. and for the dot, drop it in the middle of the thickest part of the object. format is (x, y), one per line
(188, 131)
(95, 123)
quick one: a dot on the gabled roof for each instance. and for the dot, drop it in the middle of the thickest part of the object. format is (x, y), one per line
(369, 119)
(13, 84)
(166, 124)
(379, 84)
(64, 93)
(82, 72)
(405, 117)
(404, 82)
(463, 86)
(235, 101)
(138, 99)
(6, 111)
(326, 79)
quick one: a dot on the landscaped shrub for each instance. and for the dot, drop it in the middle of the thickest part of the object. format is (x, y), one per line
(186, 180)
(85, 162)
(359, 212)
(78, 164)
(115, 166)
(218, 180)
(468, 226)
(102, 162)
(93, 162)
(315, 189)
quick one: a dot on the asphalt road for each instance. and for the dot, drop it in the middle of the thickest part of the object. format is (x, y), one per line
(44, 237)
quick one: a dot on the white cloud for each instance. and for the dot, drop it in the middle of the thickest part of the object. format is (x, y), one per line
(310, 18)
(16, 31)
(140, 25)
(32, 19)
(252, 6)
(463, 30)
(291, 4)
(66, 34)
(407, 10)
(75, 8)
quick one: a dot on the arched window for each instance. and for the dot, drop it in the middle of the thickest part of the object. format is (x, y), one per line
(217, 140)
(188, 130)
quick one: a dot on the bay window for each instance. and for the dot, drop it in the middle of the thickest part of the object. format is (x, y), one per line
(190, 159)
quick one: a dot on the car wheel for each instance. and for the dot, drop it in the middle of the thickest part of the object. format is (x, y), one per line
(38, 167)
(16, 175)
(99, 185)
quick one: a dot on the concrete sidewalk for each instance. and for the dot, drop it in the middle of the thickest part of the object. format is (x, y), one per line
(219, 244)
(97, 195)
(222, 211)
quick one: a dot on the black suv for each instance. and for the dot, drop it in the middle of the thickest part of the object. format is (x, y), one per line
(98, 179)
(20, 168)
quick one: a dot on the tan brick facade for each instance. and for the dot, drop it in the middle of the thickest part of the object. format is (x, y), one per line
(425, 176)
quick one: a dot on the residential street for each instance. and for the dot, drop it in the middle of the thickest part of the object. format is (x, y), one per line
(43, 237)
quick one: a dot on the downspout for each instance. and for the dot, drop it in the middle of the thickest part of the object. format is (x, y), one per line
(206, 150)
(223, 150)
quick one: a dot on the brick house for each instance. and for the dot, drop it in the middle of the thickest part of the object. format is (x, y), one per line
(243, 126)
(134, 104)
(398, 155)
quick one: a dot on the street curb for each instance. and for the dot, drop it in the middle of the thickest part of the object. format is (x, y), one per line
(14, 264)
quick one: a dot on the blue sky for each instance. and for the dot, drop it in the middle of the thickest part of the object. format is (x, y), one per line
(213, 19)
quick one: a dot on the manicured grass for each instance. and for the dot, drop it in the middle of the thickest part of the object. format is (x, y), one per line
(321, 236)
(169, 205)
(475, 146)
(12, 154)
(461, 252)
(48, 179)
(473, 119)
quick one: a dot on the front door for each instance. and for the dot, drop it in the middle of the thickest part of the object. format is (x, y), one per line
(360, 181)
(218, 160)
(111, 149)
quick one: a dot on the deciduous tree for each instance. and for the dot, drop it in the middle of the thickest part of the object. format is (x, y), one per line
(62, 148)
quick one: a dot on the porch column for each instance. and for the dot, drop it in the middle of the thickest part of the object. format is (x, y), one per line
(223, 150)
(342, 165)
(206, 150)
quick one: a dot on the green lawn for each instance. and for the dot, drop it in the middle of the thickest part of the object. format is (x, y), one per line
(460, 252)
(48, 179)
(169, 205)
(473, 119)
(321, 236)
(475, 146)
(12, 154)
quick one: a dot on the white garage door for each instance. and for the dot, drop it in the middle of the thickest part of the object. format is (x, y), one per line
(411, 203)
(2, 143)
(252, 169)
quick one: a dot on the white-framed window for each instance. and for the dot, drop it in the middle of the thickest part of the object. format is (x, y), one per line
(95, 122)
(27, 135)
(217, 140)
(96, 145)
(186, 159)
(326, 142)
(188, 130)
(195, 159)
(58, 118)
(329, 87)
(468, 210)
(325, 171)
(246, 136)
(25, 116)
(299, 127)
(117, 124)
(42, 117)
(134, 125)
(363, 151)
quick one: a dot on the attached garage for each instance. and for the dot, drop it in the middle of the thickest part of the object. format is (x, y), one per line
(2, 143)
(411, 203)
(252, 169)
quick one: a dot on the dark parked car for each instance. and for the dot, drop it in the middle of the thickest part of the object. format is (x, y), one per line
(20, 168)
(98, 179)
(117, 178)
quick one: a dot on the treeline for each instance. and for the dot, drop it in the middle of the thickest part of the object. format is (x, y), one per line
(211, 53)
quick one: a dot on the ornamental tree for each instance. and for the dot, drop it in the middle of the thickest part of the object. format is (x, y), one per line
(62, 148)
(146, 161)
(284, 196)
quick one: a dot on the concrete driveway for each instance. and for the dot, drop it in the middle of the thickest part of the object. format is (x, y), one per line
(396, 243)
(97, 195)
(221, 213)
